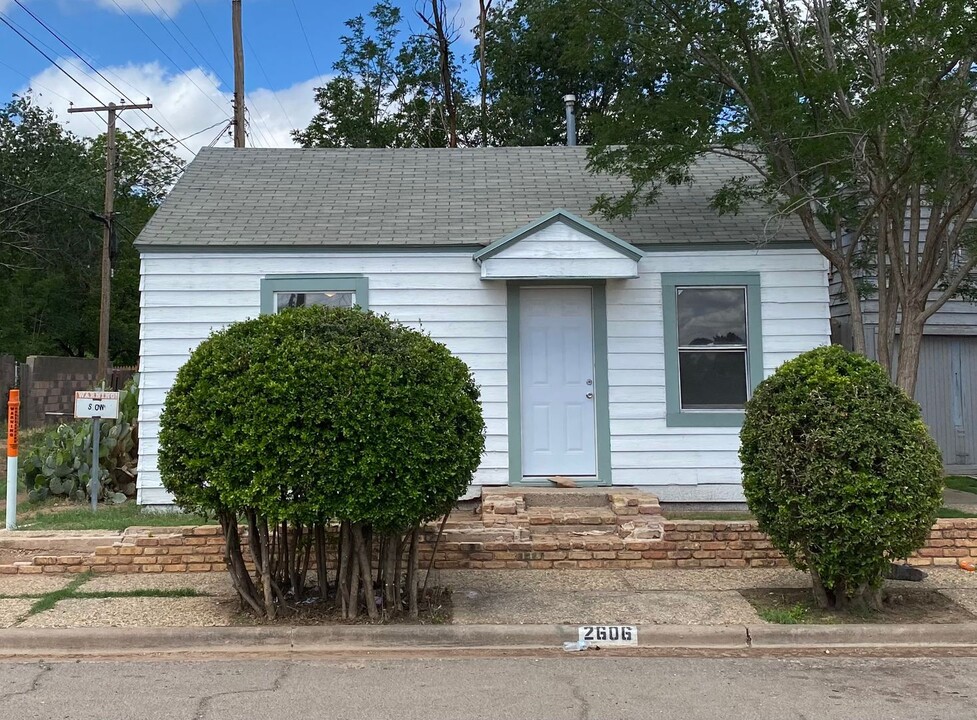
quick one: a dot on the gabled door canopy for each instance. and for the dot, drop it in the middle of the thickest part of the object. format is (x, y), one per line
(557, 246)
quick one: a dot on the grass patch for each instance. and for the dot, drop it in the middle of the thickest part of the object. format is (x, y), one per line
(899, 605)
(793, 615)
(72, 516)
(963, 484)
(48, 601)
(948, 512)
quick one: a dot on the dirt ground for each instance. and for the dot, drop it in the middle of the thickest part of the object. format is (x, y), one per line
(795, 605)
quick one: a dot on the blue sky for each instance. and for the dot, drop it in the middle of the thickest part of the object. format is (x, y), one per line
(187, 76)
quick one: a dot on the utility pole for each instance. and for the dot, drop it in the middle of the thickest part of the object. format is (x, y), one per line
(240, 133)
(105, 305)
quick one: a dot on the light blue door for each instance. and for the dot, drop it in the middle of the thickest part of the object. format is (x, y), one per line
(557, 370)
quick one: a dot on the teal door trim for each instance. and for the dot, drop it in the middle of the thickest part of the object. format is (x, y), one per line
(601, 382)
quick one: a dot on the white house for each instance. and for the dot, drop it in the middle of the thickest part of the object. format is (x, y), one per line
(616, 352)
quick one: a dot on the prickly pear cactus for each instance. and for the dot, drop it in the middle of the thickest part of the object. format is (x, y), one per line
(60, 464)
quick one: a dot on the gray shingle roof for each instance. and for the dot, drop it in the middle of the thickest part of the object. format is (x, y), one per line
(421, 197)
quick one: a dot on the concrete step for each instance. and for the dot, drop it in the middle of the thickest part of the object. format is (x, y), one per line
(565, 497)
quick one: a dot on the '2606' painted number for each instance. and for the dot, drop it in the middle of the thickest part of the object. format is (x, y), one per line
(609, 634)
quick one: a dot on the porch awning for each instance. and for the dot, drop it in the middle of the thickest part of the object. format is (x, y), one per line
(559, 246)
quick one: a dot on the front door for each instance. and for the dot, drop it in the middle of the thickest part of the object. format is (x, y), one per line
(557, 381)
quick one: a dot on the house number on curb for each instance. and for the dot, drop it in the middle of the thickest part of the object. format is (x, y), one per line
(609, 635)
(96, 405)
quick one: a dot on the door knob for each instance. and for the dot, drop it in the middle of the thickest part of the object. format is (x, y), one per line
(590, 396)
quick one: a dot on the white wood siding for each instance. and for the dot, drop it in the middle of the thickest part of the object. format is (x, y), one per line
(558, 251)
(688, 463)
(185, 296)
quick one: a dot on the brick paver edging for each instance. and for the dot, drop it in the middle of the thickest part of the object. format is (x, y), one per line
(692, 544)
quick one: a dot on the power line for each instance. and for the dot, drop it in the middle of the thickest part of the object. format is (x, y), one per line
(210, 127)
(200, 55)
(315, 64)
(77, 82)
(96, 71)
(261, 67)
(168, 57)
(42, 196)
(230, 65)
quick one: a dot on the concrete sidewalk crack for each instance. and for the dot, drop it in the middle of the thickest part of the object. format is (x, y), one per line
(749, 638)
(203, 706)
(42, 668)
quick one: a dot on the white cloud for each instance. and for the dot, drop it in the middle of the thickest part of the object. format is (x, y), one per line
(183, 103)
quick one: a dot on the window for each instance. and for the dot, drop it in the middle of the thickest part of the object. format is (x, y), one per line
(279, 292)
(713, 353)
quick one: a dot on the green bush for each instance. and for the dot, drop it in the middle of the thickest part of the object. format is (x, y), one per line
(315, 415)
(840, 471)
(59, 464)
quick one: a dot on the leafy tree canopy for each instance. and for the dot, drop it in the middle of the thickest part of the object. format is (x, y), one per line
(860, 115)
(387, 91)
(51, 182)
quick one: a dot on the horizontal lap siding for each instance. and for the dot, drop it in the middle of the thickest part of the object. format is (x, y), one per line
(185, 297)
(644, 451)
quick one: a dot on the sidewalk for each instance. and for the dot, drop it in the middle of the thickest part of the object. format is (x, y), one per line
(479, 597)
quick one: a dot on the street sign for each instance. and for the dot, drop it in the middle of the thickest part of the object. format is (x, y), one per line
(97, 404)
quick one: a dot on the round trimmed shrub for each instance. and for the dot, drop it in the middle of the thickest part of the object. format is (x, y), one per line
(840, 471)
(313, 415)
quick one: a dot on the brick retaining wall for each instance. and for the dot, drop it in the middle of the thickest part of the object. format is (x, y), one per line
(685, 545)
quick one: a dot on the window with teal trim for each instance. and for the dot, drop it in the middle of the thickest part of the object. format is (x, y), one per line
(713, 353)
(279, 292)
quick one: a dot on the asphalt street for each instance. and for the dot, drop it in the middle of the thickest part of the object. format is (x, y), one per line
(572, 687)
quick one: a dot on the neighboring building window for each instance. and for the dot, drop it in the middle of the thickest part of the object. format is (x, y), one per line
(279, 292)
(713, 353)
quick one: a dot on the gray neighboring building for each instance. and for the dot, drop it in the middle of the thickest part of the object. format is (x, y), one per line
(947, 386)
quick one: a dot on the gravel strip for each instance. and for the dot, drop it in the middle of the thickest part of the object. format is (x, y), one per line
(652, 608)
(217, 584)
(531, 580)
(718, 579)
(949, 578)
(135, 612)
(33, 584)
(12, 610)
(967, 599)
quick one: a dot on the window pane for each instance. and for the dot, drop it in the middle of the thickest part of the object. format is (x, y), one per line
(712, 380)
(711, 316)
(345, 298)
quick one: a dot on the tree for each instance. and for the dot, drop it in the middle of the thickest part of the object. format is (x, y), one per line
(538, 51)
(855, 116)
(390, 94)
(291, 421)
(840, 470)
(51, 184)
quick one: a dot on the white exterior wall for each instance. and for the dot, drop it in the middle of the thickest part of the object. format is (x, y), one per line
(692, 464)
(186, 295)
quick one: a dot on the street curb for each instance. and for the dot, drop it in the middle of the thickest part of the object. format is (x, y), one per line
(862, 636)
(93, 642)
(31, 642)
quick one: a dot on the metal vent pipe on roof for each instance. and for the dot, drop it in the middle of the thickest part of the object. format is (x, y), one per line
(570, 100)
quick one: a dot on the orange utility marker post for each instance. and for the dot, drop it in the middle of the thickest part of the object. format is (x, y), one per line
(13, 432)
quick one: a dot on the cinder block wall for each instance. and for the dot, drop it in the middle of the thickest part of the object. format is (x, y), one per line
(48, 386)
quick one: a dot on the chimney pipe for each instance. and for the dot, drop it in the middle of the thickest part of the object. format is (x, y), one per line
(571, 120)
